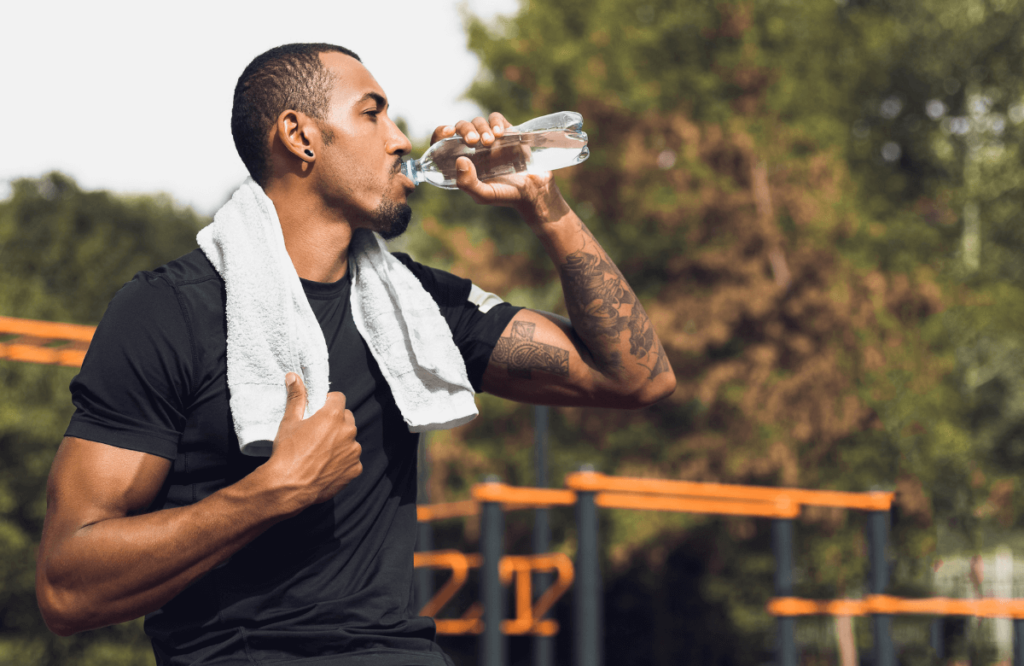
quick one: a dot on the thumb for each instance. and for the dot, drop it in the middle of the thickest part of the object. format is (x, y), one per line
(465, 174)
(295, 407)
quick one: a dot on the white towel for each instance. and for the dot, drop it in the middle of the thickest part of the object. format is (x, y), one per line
(272, 329)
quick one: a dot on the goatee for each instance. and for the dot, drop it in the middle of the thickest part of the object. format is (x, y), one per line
(391, 219)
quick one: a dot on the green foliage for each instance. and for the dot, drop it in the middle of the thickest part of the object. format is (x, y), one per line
(63, 254)
(785, 185)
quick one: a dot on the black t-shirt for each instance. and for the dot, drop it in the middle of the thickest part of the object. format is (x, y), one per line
(332, 585)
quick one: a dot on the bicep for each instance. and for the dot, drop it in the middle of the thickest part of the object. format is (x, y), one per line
(538, 359)
(91, 482)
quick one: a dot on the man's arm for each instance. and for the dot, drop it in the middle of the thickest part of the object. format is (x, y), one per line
(608, 353)
(100, 564)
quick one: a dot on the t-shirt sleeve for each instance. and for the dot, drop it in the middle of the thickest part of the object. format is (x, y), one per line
(132, 391)
(475, 317)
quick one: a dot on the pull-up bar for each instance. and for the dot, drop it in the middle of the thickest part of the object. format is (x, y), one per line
(589, 491)
(883, 603)
(46, 342)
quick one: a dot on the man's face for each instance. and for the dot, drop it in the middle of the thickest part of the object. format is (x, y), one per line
(360, 165)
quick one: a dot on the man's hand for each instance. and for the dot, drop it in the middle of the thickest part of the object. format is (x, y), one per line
(521, 191)
(104, 559)
(318, 456)
(608, 354)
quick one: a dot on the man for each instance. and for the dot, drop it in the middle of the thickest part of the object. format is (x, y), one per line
(304, 557)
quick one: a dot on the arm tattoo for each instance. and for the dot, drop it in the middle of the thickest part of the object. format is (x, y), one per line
(661, 364)
(595, 290)
(522, 355)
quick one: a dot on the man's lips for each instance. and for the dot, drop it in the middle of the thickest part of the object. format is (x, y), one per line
(397, 171)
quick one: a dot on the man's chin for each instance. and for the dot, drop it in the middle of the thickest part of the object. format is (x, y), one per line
(391, 219)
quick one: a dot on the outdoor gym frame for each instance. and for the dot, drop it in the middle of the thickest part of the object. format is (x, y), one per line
(65, 344)
(593, 491)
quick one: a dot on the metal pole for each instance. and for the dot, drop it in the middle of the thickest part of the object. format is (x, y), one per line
(492, 648)
(782, 545)
(424, 575)
(543, 646)
(1018, 642)
(881, 625)
(424, 530)
(588, 582)
(937, 636)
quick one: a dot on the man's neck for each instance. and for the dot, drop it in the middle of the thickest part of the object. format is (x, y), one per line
(317, 241)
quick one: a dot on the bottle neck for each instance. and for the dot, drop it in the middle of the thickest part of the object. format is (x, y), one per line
(411, 170)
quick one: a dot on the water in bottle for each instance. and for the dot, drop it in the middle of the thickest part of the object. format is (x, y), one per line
(550, 142)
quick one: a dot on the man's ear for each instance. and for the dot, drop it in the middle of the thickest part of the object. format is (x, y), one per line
(298, 134)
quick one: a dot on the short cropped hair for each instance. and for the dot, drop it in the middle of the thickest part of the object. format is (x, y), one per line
(285, 77)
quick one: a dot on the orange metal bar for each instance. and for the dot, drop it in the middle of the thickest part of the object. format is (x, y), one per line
(523, 497)
(779, 509)
(517, 568)
(458, 562)
(527, 619)
(791, 607)
(461, 509)
(889, 605)
(46, 329)
(596, 482)
(471, 622)
(43, 355)
(510, 497)
(562, 565)
(34, 341)
(512, 565)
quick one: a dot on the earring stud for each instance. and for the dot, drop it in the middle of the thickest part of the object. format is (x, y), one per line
(309, 152)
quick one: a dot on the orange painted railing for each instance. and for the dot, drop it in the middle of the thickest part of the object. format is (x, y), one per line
(779, 509)
(528, 614)
(523, 498)
(883, 604)
(510, 498)
(601, 483)
(426, 513)
(46, 342)
(528, 619)
(613, 492)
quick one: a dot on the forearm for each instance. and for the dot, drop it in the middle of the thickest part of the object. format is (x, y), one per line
(606, 315)
(118, 569)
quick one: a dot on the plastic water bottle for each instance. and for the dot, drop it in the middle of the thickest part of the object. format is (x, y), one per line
(550, 142)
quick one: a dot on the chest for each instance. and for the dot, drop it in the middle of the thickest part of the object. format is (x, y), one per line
(208, 453)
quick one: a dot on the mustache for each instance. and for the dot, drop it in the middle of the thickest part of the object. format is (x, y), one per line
(397, 167)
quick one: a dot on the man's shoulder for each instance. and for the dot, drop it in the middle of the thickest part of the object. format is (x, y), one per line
(187, 269)
(439, 283)
(190, 282)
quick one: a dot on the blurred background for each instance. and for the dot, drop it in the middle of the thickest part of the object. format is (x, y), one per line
(818, 202)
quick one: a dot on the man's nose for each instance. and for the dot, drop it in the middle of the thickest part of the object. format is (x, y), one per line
(400, 144)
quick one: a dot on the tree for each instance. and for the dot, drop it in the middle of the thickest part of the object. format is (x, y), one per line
(770, 178)
(63, 254)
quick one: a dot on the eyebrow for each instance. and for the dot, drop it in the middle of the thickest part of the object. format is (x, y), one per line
(380, 99)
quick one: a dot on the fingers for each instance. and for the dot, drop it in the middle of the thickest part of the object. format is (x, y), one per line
(498, 123)
(442, 132)
(469, 132)
(295, 406)
(482, 130)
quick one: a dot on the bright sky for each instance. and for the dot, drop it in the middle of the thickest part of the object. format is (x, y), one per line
(136, 96)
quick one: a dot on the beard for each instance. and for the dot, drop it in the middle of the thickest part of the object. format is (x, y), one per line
(390, 219)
